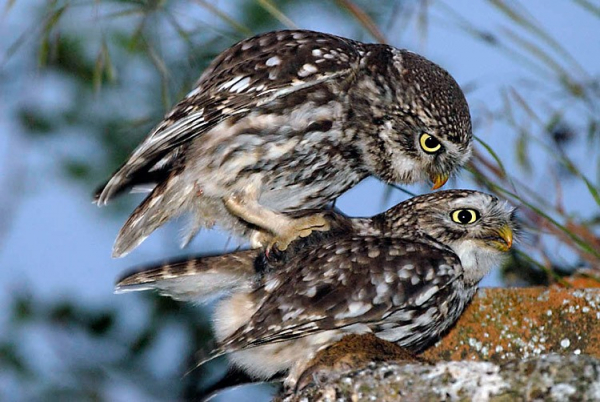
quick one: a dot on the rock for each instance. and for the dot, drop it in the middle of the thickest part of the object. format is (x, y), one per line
(516, 323)
(550, 377)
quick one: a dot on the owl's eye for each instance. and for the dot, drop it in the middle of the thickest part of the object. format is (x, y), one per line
(465, 216)
(429, 143)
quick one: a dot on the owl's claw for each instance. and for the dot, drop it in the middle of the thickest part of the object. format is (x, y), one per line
(298, 228)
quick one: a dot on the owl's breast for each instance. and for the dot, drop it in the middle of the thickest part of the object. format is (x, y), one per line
(307, 181)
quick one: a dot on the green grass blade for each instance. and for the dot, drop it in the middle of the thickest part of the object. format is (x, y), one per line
(492, 153)
(277, 14)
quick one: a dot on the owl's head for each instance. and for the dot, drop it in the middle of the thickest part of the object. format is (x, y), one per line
(477, 226)
(424, 123)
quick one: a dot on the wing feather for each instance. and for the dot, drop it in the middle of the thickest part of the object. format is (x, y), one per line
(251, 73)
(353, 280)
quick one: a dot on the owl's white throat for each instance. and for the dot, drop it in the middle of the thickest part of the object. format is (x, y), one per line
(477, 259)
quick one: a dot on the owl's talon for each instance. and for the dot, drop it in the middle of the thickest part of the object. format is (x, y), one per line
(299, 228)
(260, 239)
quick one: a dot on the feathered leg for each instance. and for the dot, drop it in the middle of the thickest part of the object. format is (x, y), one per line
(282, 230)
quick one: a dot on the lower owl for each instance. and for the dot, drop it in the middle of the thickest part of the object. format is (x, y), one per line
(405, 275)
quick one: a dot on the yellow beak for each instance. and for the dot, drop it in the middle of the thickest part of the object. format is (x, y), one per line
(439, 180)
(506, 234)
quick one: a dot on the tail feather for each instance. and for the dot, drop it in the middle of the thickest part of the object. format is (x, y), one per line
(166, 201)
(172, 197)
(197, 279)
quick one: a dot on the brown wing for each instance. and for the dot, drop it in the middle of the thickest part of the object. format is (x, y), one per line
(249, 74)
(344, 282)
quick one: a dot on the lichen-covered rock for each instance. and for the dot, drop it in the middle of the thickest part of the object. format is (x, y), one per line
(541, 378)
(505, 324)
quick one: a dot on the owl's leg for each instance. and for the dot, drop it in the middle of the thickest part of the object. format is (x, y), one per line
(281, 229)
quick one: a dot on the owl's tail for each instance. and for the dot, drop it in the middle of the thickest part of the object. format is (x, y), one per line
(167, 200)
(197, 279)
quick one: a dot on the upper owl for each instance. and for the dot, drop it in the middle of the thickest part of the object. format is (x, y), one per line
(289, 120)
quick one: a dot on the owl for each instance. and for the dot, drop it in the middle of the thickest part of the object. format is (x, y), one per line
(289, 120)
(405, 276)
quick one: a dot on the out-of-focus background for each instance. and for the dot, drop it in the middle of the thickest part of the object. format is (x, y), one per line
(83, 81)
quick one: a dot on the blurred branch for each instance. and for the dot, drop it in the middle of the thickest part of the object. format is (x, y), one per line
(12, 184)
(277, 14)
(363, 18)
(519, 18)
(588, 6)
(239, 27)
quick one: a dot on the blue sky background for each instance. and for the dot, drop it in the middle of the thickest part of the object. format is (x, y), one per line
(55, 243)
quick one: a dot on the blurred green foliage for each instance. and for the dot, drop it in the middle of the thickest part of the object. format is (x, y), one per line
(95, 344)
(115, 58)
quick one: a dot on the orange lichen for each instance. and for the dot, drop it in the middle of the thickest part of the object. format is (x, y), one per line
(503, 324)
(584, 279)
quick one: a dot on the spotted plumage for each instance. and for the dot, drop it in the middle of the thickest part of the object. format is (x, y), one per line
(404, 275)
(289, 120)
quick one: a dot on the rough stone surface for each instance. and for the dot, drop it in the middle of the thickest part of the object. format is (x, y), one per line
(541, 378)
(516, 323)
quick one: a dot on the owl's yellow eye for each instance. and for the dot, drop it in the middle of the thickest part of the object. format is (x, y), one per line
(429, 143)
(465, 216)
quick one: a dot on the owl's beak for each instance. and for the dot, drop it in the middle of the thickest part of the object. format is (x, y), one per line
(505, 240)
(438, 179)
